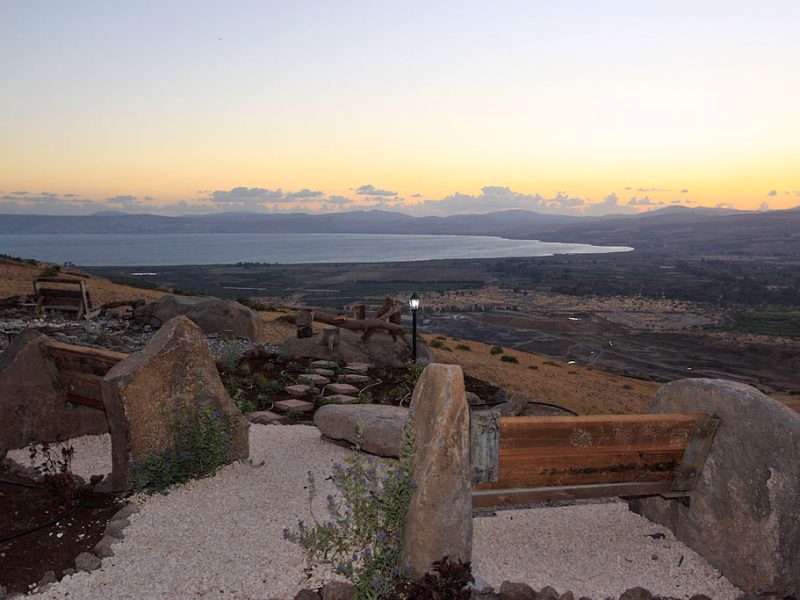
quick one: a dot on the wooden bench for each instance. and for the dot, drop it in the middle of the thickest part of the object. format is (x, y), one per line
(80, 370)
(71, 296)
(523, 460)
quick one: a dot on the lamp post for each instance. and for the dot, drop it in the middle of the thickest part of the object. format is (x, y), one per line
(413, 302)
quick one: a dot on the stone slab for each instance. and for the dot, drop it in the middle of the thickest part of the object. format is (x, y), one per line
(344, 399)
(358, 367)
(265, 417)
(342, 388)
(353, 378)
(324, 364)
(324, 372)
(313, 379)
(294, 405)
(297, 390)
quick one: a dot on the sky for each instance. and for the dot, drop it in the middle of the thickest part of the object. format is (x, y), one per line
(429, 107)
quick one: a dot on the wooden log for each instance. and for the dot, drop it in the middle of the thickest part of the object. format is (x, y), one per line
(387, 305)
(82, 388)
(519, 497)
(360, 312)
(368, 326)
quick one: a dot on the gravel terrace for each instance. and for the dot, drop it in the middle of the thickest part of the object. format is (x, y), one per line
(222, 537)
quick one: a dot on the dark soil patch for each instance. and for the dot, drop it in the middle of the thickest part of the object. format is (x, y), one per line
(24, 560)
(260, 381)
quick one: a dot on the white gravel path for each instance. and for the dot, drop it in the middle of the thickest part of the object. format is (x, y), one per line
(222, 537)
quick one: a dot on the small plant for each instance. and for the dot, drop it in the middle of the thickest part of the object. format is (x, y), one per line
(463, 347)
(295, 367)
(365, 398)
(509, 359)
(262, 402)
(496, 350)
(252, 304)
(244, 369)
(447, 582)
(243, 403)
(293, 415)
(230, 356)
(330, 400)
(436, 343)
(414, 371)
(363, 538)
(56, 467)
(440, 337)
(50, 271)
(202, 441)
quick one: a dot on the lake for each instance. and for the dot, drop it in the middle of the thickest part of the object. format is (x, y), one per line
(94, 250)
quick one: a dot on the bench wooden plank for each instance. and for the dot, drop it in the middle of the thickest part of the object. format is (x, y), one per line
(513, 498)
(597, 431)
(584, 468)
(82, 384)
(82, 359)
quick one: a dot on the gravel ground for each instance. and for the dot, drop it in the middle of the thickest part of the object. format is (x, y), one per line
(222, 537)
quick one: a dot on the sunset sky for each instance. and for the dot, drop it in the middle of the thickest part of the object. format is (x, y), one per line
(427, 107)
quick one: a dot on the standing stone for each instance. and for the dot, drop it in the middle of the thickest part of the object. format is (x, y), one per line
(174, 371)
(744, 514)
(33, 405)
(305, 323)
(439, 520)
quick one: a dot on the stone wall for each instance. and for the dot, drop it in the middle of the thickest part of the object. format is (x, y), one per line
(33, 406)
(744, 515)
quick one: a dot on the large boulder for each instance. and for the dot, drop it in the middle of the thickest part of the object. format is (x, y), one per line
(439, 519)
(212, 315)
(380, 350)
(383, 425)
(744, 515)
(174, 371)
(33, 407)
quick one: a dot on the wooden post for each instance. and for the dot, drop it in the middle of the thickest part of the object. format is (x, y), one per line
(360, 312)
(484, 445)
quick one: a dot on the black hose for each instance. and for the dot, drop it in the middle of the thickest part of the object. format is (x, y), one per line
(35, 486)
(30, 530)
(572, 412)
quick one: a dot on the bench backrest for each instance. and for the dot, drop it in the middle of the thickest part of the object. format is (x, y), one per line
(518, 460)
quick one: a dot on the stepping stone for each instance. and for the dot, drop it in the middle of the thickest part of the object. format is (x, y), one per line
(358, 367)
(294, 405)
(324, 372)
(324, 364)
(337, 389)
(265, 417)
(353, 378)
(313, 379)
(343, 399)
(297, 390)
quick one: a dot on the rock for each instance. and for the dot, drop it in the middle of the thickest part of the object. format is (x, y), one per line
(473, 398)
(115, 528)
(294, 405)
(87, 562)
(126, 511)
(749, 484)
(324, 364)
(297, 390)
(304, 320)
(380, 350)
(699, 597)
(342, 388)
(516, 591)
(174, 372)
(68, 571)
(383, 425)
(325, 373)
(307, 594)
(341, 399)
(95, 479)
(32, 404)
(358, 367)
(338, 590)
(3, 592)
(313, 379)
(637, 593)
(441, 472)
(48, 578)
(547, 593)
(265, 417)
(104, 548)
(212, 315)
(567, 596)
(514, 407)
(353, 378)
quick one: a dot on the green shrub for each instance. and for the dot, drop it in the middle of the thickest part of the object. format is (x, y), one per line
(509, 359)
(267, 385)
(463, 347)
(365, 397)
(363, 537)
(495, 350)
(436, 343)
(533, 367)
(202, 442)
(50, 271)
(252, 304)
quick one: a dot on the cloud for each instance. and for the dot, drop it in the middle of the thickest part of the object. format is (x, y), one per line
(371, 190)
(652, 189)
(245, 198)
(416, 195)
(684, 191)
(124, 201)
(772, 193)
(763, 206)
(303, 194)
(646, 201)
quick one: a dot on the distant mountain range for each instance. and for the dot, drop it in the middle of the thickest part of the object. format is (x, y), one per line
(673, 229)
